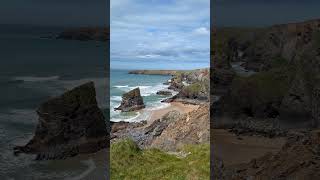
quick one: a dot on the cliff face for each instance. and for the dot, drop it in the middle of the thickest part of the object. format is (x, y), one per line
(268, 72)
(68, 125)
(85, 34)
(193, 86)
(190, 128)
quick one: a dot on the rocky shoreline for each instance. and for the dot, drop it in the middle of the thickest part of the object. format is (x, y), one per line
(164, 133)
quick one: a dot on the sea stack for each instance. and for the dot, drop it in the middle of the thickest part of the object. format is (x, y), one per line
(68, 125)
(131, 101)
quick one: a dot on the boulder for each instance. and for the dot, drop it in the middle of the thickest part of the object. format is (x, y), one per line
(68, 125)
(131, 101)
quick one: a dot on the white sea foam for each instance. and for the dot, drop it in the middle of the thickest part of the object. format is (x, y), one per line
(158, 106)
(116, 98)
(121, 86)
(127, 119)
(36, 78)
(146, 90)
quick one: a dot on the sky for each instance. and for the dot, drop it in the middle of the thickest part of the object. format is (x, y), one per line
(159, 34)
(64, 13)
(261, 13)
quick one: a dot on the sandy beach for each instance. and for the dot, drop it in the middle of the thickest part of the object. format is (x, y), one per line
(235, 150)
(174, 106)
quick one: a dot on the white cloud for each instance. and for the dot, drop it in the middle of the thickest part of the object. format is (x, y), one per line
(160, 29)
(202, 31)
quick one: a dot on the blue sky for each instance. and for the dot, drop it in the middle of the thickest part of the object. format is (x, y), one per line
(160, 34)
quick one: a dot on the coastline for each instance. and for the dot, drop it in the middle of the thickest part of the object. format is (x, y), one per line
(182, 99)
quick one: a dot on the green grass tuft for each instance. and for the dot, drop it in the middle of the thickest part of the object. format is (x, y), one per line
(130, 162)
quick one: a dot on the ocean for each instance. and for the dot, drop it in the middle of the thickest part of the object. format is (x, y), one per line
(32, 70)
(121, 82)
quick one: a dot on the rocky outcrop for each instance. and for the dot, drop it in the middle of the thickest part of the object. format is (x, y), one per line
(169, 133)
(68, 125)
(131, 101)
(164, 93)
(141, 132)
(190, 128)
(85, 34)
(262, 127)
(193, 87)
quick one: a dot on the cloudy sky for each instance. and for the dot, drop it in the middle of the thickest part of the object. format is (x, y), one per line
(263, 12)
(160, 34)
(54, 12)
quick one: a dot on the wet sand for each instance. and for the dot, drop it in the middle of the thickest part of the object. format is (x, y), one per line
(235, 150)
(177, 106)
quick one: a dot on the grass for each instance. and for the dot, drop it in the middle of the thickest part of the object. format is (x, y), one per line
(129, 162)
(193, 89)
(265, 87)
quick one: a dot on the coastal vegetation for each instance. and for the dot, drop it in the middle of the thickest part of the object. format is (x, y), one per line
(128, 161)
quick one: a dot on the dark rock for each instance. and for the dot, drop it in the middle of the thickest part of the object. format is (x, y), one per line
(156, 128)
(68, 125)
(85, 34)
(164, 93)
(131, 101)
(262, 127)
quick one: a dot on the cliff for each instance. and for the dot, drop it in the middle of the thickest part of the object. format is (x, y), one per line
(270, 72)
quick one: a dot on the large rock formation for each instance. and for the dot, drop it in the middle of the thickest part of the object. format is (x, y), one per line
(280, 69)
(131, 101)
(68, 125)
(190, 128)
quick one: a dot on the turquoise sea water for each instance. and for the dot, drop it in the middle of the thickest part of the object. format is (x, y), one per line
(32, 70)
(121, 82)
